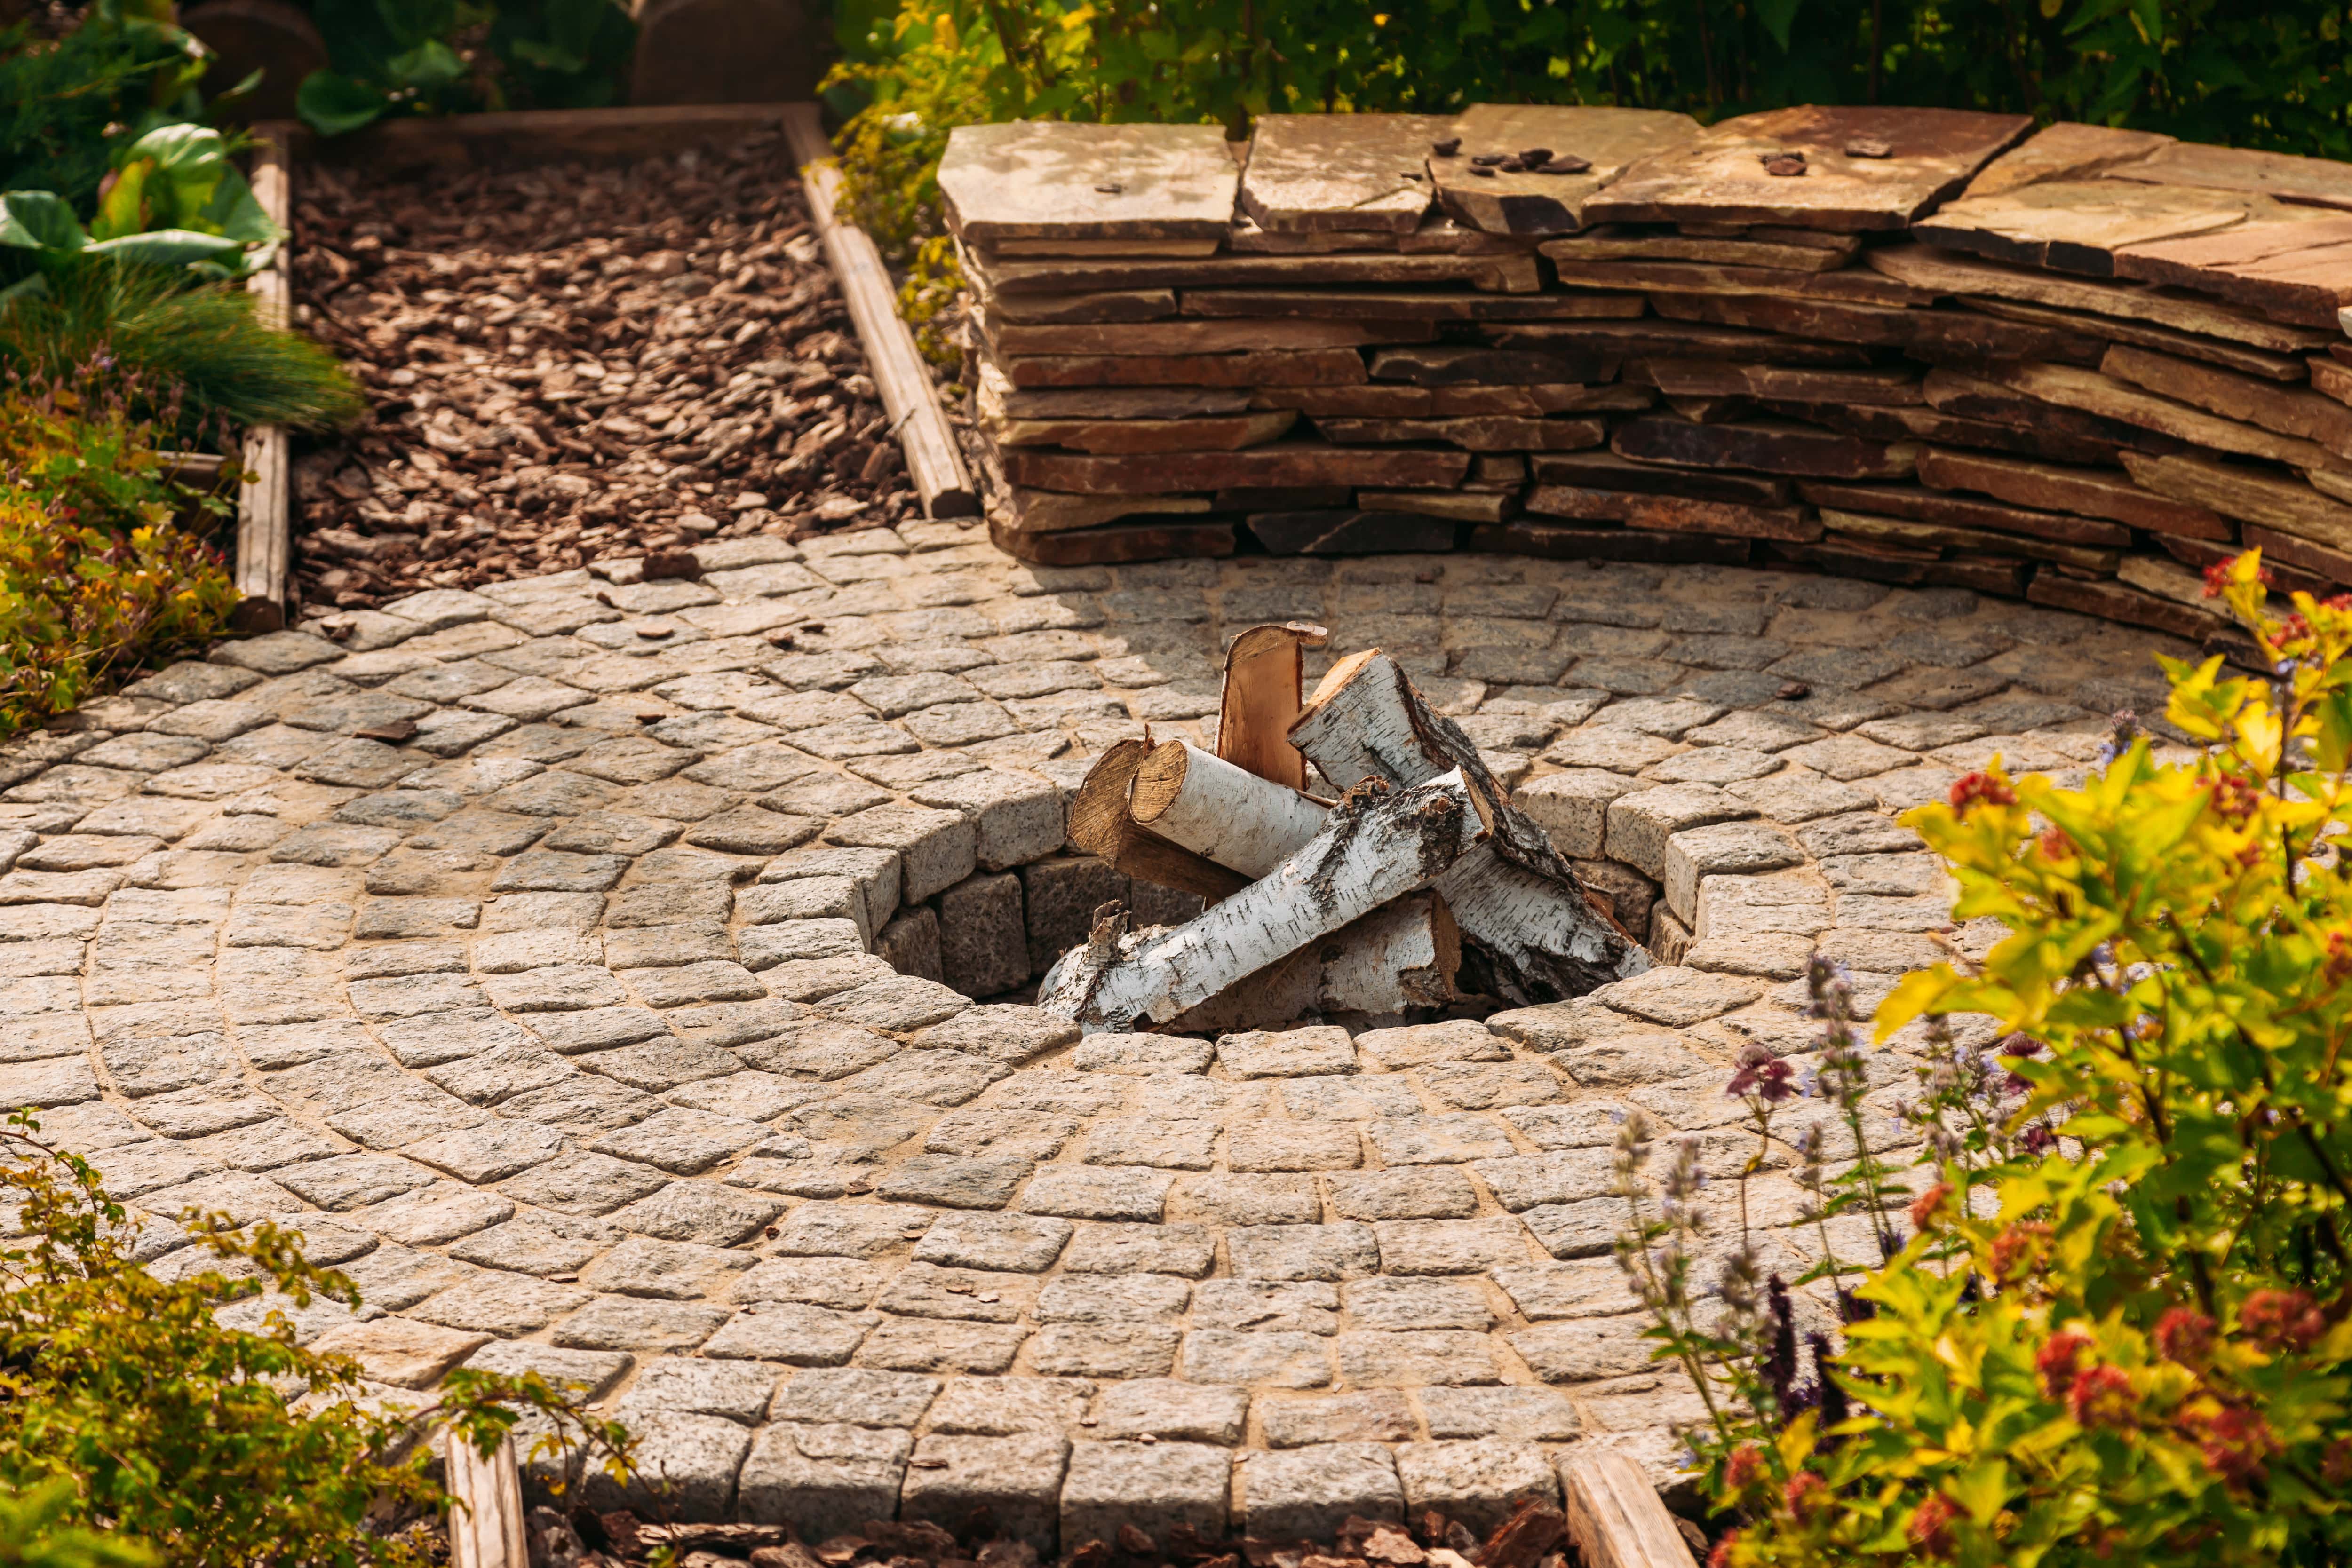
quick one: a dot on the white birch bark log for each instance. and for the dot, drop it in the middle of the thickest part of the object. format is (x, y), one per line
(1401, 955)
(1220, 811)
(1521, 907)
(1377, 845)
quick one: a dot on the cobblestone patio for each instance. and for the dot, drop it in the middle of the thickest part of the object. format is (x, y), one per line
(557, 1019)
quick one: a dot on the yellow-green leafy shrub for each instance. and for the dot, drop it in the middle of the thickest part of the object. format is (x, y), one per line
(125, 1407)
(2118, 1331)
(101, 567)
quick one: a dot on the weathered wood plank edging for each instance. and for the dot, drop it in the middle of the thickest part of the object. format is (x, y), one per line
(265, 501)
(908, 395)
(485, 1524)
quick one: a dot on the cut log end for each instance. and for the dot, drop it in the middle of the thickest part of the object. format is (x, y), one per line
(1264, 670)
(1159, 781)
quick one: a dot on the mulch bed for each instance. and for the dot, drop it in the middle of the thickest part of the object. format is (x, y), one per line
(1535, 1536)
(570, 362)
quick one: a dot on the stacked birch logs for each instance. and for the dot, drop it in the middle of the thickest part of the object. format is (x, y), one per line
(1419, 886)
(1927, 346)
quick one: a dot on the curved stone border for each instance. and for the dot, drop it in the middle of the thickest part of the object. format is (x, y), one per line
(554, 1021)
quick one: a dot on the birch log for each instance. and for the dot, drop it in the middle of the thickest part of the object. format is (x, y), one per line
(1614, 1517)
(485, 1522)
(1542, 939)
(1378, 845)
(1102, 825)
(1220, 811)
(1264, 673)
(1404, 955)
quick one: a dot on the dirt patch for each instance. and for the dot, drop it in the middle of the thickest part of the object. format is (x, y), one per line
(572, 361)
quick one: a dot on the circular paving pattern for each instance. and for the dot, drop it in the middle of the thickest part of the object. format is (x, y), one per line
(522, 945)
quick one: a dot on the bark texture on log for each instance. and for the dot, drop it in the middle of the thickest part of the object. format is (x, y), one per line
(1516, 899)
(1404, 955)
(1380, 843)
(1220, 811)
(485, 1526)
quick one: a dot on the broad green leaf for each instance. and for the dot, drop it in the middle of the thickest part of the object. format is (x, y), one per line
(40, 220)
(335, 105)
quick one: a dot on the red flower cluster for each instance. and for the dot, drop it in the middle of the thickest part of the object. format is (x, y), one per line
(2016, 1250)
(1924, 1207)
(2103, 1397)
(1744, 1468)
(2234, 1442)
(2057, 1361)
(1806, 1494)
(2216, 577)
(1983, 788)
(1931, 1526)
(2235, 799)
(1763, 1076)
(2186, 1335)
(2282, 1320)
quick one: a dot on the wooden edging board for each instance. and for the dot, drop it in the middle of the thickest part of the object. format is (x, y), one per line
(486, 1519)
(1614, 1516)
(908, 395)
(264, 500)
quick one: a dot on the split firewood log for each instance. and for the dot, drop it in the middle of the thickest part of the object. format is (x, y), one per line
(1220, 811)
(1404, 955)
(1264, 673)
(1102, 825)
(1378, 845)
(1540, 936)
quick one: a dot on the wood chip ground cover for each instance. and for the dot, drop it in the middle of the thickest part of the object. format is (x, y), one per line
(572, 362)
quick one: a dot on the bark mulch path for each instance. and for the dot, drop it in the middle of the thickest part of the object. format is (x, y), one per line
(572, 361)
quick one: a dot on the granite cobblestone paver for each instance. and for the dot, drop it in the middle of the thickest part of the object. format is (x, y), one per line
(599, 1027)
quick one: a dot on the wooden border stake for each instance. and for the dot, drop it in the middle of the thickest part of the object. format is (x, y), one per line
(1265, 673)
(485, 1522)
(908, 395)
(1614, 1517)
(265, 500)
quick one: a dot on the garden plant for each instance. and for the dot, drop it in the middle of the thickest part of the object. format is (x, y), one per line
(2103, 1316)
(126, 1408)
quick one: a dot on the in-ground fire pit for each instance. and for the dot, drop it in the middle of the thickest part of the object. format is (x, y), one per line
(1367, 908)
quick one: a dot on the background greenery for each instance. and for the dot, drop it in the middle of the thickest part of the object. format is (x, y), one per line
(2276, 75)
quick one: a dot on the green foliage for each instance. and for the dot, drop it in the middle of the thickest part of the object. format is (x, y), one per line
(69, 108)
(97, 573)
(173, 199)
(449, 56)
(32, 1535)
(126, 1405)
(2123, 1329)
(564, 54)
(2272, 76)
(191, 356)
